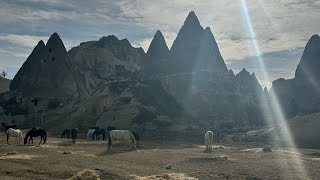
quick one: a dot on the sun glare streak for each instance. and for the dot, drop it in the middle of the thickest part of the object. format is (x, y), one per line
(275, 107)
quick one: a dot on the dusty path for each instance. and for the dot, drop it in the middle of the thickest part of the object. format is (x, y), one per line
(59, 160)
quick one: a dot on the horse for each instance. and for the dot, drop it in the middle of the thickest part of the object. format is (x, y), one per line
(121, 135)
(137, 137)
(14, 133)
(35, 133)
(208, 138)
(74, 133)
(7, 127)
(89, 134)
(65, 134)
(97, 133)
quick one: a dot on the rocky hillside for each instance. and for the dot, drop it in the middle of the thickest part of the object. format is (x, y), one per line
(301, 95)
(194, 72)
(108, 82)
(4, 84)
(48, 72)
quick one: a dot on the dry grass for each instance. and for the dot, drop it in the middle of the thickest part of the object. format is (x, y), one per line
(165, 176)
(86, 174)
(18, 156)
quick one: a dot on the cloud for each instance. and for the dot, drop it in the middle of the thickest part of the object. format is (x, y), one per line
(22, 40)
(280, 25)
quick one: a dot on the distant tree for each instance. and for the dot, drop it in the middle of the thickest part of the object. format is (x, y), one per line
(4, 73)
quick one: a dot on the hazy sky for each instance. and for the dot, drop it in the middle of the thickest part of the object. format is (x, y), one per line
(283, 27)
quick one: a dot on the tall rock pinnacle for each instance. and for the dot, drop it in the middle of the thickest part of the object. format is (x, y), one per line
(186, 45)
(158, 48)
(309, 65)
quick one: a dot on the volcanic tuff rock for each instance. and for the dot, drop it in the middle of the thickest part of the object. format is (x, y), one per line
(195, 49)
(116, 84)
(157, 55)
(301, 95)
(109, 58)
(48, 72)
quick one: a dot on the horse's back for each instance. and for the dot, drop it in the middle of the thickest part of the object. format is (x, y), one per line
(121, 134)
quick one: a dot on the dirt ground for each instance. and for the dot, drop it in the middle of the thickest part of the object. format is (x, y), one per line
(58, 159)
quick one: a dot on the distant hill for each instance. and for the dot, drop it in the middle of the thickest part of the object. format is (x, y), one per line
(4, 84)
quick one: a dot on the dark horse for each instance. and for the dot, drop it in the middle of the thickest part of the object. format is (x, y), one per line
(74, 133)
(5, 127)
(35, 133)
(137, 137)
(66, 133)
(97, 133)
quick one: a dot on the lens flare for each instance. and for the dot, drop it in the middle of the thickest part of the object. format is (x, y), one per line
(274, 108)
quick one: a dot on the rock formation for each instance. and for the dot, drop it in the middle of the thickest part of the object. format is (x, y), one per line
(48, 72)
(301, 95)
(109, 82)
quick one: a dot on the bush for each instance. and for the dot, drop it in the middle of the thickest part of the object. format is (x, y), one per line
(267, 148)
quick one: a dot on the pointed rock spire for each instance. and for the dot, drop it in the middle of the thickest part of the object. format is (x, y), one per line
(192, 20)
(209, 56)
(158, 48)
(55, 43)
(243, 74)
(186, 46)
(309, 65)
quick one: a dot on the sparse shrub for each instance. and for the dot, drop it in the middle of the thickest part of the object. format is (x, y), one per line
(267, 148)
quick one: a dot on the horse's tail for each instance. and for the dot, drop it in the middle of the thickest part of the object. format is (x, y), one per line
(133, 140)
(45, 137)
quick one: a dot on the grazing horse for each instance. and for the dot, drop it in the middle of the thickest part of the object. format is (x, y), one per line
(137, 137)
(121, 135)
(208, 138)
(14, 133)
(35, 133)
(5, 127)
(89, 134)
(66, 134)
(97, 133)
(74, 133)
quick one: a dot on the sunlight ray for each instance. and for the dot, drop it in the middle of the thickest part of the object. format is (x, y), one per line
(275, 107)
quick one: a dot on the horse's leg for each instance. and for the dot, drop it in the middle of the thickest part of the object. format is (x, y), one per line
(40, 140)
(8, 139)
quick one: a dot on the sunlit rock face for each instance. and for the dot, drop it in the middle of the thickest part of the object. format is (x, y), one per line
(98, 62)
(48, 72)
(301, 95)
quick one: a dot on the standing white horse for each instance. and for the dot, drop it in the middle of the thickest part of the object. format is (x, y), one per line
(89, 134)
(124, 136)
(14, 133)
(208, 138)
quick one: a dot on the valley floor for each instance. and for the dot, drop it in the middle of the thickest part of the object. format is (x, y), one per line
(58, 159)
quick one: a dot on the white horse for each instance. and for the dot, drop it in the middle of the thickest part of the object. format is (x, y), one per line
(14, 133)
(208, 138)
(89, 134)
(122, 136)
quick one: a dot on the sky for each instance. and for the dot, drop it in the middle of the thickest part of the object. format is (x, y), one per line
(282, 27)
